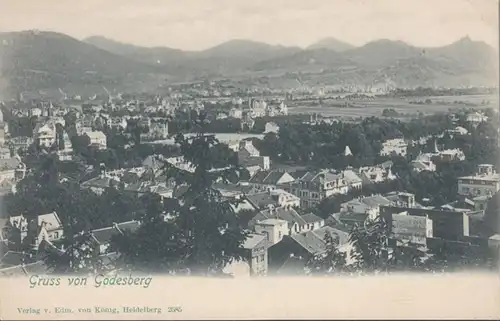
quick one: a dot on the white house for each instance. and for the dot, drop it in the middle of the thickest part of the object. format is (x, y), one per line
(485, 182)
(96, 138)
(396, 146)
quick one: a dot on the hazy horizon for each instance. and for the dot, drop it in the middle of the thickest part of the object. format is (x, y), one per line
(201, 24)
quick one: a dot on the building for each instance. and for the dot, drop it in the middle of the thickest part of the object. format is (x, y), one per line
(273, 229)
(367, 207)
(20, 143)
(396, 146)
(376, 174)
(256, 247)
(276, 198)
(296, 223)
(313, 187)
(101, 238)
(271, 127)
(12, 169)
(476, 118)
(302, 247)
(248, 155)
(486, 182)
(266, 180)
(96, 138)
(29, 234)
(452, 225)
(44, 134)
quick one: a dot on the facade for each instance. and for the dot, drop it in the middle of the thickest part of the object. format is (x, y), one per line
(486, 182)
(266, 180)
(96, 138)
(313, 187)
(257, 257)
(248, 155)
(394, 147)
(44, 134)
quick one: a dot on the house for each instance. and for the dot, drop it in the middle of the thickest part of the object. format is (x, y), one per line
(96, 138)
(313, 187)
(236, 113)
(271, 127)
(422, 165)
(476, 118)
(276, 198)
(118, 123)
(458, 131)
(12, 169)
(35, 268)
(303, 246)
(486, 182)
(100, 183)
(396, 146)
(266, 180)
(30, 234)
(101, 238)
(376, 174)
(248, 155)
(368, 206)
(296, 223)
(44, 134)
(273, 229)
(257, 256)
(20, 143)
(448, 224)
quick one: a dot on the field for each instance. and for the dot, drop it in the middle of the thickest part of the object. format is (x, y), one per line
(368, 108)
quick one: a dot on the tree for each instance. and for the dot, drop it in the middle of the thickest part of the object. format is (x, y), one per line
(199, 230)
(77, 256)
(332, 261)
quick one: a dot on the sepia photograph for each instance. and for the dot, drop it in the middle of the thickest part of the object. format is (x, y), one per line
(167, 159)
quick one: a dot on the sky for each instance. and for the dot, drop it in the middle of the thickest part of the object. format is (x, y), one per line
(199, 24)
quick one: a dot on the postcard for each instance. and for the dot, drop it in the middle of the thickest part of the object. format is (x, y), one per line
(270, 159)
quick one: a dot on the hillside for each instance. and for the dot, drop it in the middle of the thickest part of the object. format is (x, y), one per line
(331, 44)
(47, 60)
(34, 61)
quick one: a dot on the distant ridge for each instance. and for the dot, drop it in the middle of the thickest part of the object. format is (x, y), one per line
(35, 60)
(331, 44)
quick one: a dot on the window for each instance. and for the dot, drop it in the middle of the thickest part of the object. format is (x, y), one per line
(262, 258)
(56, 235)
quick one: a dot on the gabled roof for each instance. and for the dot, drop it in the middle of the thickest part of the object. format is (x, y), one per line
(104, 235)
(51, 220)
(12, 258)
(311, 218)
(288, 214)
(313, 241)
(253, 240)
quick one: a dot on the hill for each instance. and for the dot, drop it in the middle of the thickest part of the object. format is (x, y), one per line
(331, 44)
(34, 60)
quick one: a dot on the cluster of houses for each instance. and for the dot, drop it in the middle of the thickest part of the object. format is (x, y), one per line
(285, 233)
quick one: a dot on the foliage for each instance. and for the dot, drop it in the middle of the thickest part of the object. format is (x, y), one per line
(198, 230)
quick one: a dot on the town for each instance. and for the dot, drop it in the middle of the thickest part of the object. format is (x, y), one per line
(205, 180)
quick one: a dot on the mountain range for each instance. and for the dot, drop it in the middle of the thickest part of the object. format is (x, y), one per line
(39, 60)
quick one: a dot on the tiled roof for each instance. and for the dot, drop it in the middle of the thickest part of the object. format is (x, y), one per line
(129, 226)
(261, 200)
(313, 241)
(12, 258)
(253, 240)
(311, 218)
(288, 214)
